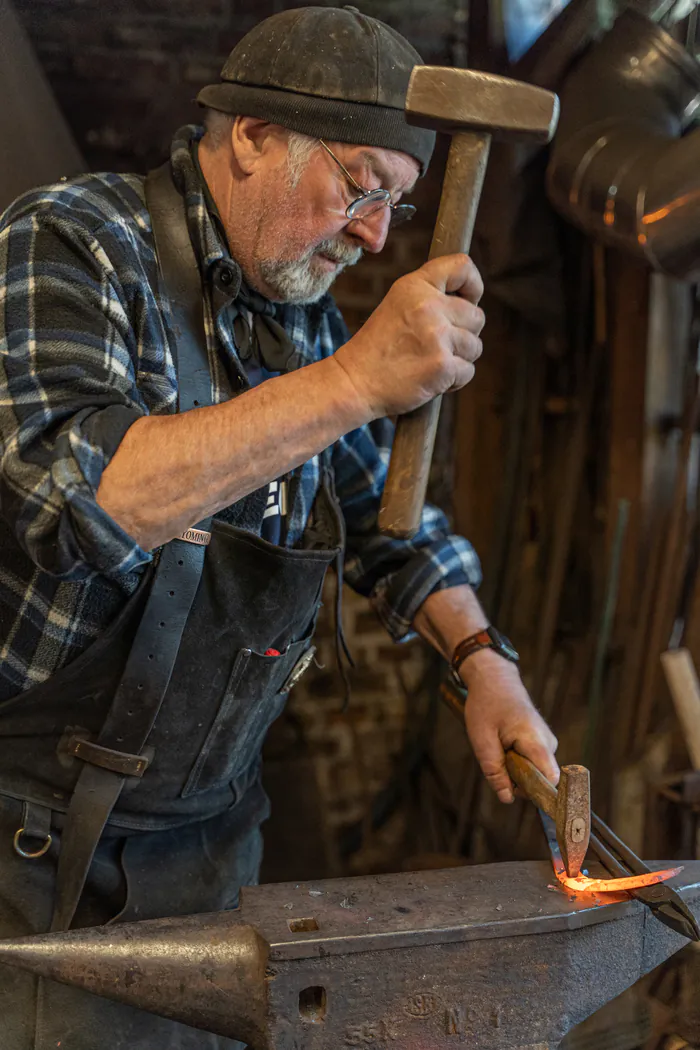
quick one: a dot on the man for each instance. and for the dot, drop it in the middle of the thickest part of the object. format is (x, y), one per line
(174, 486)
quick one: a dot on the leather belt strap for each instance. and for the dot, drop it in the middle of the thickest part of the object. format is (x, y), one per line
(108, 758)
(150, 663)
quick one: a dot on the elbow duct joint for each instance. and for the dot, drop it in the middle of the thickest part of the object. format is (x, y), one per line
(621, 167)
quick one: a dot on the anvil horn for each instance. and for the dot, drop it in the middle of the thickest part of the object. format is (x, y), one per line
(207, 971)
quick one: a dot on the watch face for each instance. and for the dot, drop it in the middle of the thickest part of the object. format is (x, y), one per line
(508, 650)
(504, 645)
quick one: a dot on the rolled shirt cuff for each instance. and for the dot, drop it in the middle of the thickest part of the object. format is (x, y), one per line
(397, 598)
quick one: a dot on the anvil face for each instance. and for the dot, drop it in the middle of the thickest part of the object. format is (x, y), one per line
(496, 955)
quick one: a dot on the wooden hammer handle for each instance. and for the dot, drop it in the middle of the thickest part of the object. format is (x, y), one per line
(533, 784)
(412, 452)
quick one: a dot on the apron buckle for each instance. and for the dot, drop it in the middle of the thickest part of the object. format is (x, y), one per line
(199, 536)
(36, 824)
(27, 854)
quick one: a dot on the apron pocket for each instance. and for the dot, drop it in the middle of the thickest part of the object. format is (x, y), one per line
(252, 700)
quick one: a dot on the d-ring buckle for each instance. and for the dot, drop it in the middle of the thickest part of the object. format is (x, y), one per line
(24, 853)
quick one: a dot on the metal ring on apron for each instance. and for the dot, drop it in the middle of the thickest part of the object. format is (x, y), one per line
(24, 853)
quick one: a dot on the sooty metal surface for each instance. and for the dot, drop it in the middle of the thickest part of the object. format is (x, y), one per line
(497, 956)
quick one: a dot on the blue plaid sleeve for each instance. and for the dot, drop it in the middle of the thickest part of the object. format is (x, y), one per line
(396, 575)
(67, 392)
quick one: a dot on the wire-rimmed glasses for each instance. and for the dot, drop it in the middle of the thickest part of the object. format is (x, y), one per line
(370, 201)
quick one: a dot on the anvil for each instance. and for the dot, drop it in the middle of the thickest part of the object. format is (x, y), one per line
(494, 955)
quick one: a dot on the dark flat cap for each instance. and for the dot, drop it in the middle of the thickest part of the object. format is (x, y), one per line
(328, 72)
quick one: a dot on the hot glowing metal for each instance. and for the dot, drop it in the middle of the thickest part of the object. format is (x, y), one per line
(584, 884)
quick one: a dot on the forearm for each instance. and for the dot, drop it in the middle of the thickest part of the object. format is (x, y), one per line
(447, 617)
(171, 471)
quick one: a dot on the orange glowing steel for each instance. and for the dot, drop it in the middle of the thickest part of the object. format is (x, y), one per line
(582, 884)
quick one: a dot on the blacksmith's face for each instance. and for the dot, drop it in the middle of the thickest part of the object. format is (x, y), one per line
(304, 239)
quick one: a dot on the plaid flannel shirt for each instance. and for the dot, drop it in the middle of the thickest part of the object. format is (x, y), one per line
(85, 350)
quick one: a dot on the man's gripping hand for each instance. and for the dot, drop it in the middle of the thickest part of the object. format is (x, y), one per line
(421, 341)
(499, 714)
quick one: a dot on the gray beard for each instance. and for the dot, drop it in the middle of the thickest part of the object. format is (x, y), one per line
(300, 281)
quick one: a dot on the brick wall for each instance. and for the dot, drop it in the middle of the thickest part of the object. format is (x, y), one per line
(125, 74)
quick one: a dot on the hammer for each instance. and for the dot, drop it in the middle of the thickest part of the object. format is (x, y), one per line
(472, 107)
(569, 805)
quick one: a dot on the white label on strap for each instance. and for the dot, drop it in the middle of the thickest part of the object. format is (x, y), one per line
(198, 536)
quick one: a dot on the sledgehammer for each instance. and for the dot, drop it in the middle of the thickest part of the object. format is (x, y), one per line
(473, 107)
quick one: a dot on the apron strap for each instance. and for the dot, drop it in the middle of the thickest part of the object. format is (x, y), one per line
(150, 663)
(342, 650)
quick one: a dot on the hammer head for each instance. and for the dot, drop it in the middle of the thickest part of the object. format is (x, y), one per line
(573, 817)
(454, 100)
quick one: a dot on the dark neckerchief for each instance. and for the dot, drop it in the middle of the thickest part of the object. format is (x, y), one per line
(267, 345)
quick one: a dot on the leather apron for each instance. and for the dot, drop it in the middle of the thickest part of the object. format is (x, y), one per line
(182, 826)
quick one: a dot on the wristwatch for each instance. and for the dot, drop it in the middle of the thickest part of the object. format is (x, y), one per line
(488, 638)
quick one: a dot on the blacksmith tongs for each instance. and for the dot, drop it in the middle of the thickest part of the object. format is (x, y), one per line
(616, 857)
(619, 860)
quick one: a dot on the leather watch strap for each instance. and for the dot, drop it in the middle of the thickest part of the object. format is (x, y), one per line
(487, 638)
(468, 646)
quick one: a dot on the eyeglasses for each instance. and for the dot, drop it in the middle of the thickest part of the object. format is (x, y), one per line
(371, 201)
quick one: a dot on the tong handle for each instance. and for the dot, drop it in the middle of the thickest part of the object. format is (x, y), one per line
(610, 840)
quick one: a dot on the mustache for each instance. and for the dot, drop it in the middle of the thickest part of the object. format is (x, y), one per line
(339, 252)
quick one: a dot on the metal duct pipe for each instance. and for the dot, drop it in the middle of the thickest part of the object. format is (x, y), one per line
(619, 168)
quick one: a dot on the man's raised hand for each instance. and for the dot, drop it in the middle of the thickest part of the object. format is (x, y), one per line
(421, 341)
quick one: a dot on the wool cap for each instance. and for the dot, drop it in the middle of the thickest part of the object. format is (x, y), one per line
(332, 73)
